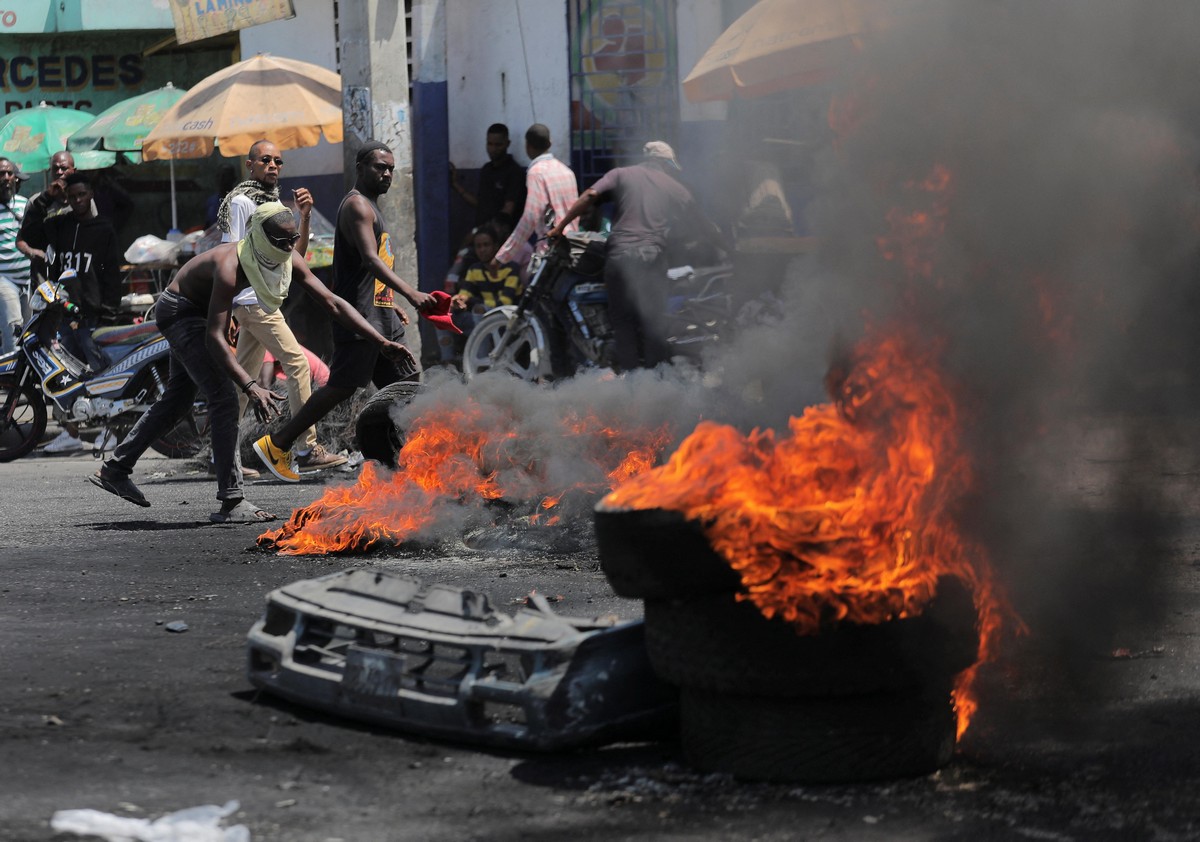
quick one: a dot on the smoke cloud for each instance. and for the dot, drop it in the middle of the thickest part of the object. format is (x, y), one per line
(1052, 147)
(1047, 151)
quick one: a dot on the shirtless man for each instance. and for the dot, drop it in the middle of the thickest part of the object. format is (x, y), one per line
(193, 314)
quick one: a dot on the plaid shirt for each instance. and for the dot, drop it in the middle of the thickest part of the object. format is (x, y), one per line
(549, 182)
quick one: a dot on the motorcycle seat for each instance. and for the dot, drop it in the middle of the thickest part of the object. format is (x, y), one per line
(124, 334)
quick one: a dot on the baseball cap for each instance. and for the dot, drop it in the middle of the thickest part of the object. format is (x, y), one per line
(660, 149)
(440, 315)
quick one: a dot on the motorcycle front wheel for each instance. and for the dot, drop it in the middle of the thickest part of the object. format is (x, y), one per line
(525, 355)
(22, 418)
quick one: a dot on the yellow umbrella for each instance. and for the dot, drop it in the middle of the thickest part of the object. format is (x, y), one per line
(288, 102)
(777, 45)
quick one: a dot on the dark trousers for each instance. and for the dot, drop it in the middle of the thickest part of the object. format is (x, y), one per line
(185, 327)
(637, 303)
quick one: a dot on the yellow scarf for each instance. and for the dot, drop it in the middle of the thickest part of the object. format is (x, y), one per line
(267, 267)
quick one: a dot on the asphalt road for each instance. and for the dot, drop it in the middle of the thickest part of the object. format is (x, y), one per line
(101, 707)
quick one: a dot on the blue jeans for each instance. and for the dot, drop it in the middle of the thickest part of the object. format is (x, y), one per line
(14, 310)
(185, 327)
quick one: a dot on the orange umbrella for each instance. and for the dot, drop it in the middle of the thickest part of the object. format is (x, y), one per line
(777, 45)
(288, 102)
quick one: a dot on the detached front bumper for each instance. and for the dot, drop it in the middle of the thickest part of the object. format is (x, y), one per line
(440, 661)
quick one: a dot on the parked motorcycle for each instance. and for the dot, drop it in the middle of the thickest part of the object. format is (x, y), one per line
(560, 324)
(41, 374)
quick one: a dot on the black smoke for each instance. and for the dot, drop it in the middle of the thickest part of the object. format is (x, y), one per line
(1062, 279)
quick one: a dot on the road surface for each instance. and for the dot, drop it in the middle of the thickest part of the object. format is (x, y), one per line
(102, 708)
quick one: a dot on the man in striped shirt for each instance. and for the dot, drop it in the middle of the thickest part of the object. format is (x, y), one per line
(549, 184)
(14, 266)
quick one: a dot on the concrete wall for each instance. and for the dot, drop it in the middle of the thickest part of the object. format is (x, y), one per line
(698, 24)
(506, 62)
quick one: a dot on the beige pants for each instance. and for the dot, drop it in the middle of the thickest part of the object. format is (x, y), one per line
(259, 332)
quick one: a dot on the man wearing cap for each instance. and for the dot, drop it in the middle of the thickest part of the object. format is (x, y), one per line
(193, 314)
(14, 266)
(649, 201)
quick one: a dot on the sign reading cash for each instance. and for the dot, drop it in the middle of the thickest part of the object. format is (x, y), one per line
(198, 19)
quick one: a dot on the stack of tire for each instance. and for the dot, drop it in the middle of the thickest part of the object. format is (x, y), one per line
(761, 702)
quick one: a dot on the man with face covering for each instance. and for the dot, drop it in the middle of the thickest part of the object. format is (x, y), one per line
(193, 314)
(261, 330)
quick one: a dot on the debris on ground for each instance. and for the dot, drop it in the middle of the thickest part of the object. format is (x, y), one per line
(440, 661)
(194, 824)
(1123, 653)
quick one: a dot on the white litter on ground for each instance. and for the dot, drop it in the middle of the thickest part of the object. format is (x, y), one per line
(195, 824)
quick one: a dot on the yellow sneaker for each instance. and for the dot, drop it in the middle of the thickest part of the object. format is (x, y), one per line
(278, 462)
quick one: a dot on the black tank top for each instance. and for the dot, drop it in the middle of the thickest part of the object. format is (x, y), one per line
(354, 280)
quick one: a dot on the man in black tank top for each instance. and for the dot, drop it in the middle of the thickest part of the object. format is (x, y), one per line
(364, 275)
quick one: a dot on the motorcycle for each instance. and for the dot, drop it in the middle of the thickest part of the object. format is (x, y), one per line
(41, 374)
(560, 324)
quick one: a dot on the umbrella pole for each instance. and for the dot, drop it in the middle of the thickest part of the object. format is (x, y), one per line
(174, 213)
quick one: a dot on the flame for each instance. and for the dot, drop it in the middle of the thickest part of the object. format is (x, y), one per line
(913, 233)
(462, 456)
(850, 516)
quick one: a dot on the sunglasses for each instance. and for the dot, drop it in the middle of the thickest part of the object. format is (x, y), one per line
(285, 242)
(266, 159)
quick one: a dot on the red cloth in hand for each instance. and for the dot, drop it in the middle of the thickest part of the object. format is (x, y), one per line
(440, 315)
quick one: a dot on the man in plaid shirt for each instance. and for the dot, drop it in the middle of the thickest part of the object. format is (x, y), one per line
(549, 183)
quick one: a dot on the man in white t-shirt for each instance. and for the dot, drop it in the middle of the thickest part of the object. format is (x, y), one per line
(258, 330)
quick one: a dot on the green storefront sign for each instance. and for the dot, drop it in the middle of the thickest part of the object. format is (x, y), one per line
(91, 71)
(90, 54)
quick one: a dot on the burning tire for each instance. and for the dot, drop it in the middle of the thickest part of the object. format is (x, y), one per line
(831, 740)
(656, 554)
(377, 435)
(725, 645)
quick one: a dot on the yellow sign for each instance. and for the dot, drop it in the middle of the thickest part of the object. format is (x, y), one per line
(198, 19)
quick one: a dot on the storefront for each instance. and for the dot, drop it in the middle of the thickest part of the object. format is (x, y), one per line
(91, 54)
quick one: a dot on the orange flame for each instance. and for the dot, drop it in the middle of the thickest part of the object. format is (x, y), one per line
(849, 517)
(914, 233)
(456, 457)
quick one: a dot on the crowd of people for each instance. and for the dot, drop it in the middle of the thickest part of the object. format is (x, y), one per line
(221, 313)
(649, 204)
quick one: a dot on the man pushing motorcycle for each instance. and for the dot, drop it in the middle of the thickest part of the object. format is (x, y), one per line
(193, 314)
(650, 204)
